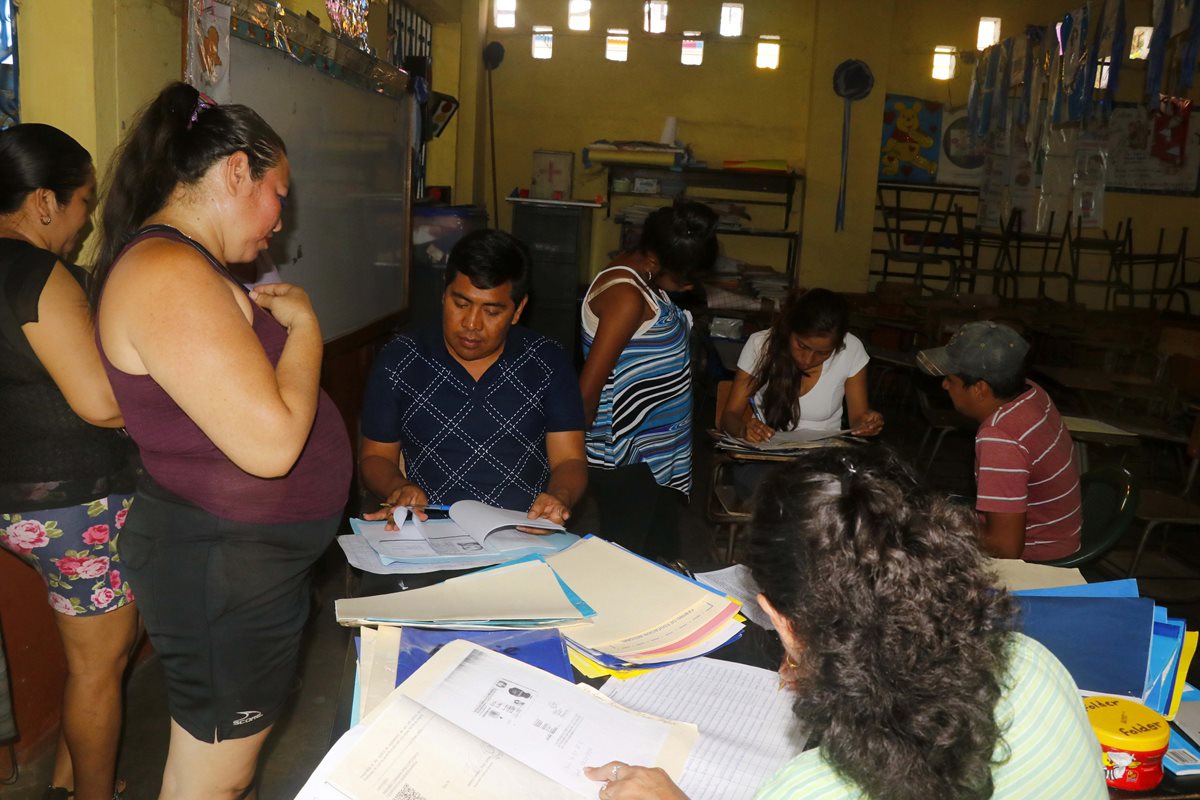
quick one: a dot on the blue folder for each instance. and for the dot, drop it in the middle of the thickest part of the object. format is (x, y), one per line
(1104, 642)
(539, 648)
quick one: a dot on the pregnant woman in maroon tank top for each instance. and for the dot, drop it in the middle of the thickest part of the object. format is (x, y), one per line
(247, 461)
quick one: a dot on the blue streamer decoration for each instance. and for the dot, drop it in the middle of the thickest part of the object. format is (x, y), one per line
(1158, 49)
(1191, 51)
(1119, 48)
(852, 80)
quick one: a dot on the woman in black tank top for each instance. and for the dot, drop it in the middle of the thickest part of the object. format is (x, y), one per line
(65, 479)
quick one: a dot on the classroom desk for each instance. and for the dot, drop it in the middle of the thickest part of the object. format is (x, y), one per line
(757, 647)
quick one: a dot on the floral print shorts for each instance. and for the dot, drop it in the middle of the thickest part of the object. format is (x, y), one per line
(75, 551)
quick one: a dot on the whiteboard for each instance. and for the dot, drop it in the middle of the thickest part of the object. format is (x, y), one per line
(346, 226)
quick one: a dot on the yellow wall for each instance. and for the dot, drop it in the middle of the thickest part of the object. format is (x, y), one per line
(123, 52)
(726, 108)
(442, 152)
(838, 260)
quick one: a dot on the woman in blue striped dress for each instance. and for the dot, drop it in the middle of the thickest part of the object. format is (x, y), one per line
(636, 380)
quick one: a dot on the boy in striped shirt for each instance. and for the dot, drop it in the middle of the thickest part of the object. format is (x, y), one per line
(1025, 467)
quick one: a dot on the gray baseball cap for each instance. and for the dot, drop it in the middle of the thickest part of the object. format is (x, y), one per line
(986, 350)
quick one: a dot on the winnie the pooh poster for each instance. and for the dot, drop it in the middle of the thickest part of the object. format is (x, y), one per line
(912, 131)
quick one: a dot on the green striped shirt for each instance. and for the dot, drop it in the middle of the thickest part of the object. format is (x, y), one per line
(1053, 750)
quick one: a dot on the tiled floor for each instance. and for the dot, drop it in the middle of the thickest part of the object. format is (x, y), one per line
(302, 737)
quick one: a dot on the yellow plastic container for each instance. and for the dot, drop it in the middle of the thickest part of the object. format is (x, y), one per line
(1133, 739)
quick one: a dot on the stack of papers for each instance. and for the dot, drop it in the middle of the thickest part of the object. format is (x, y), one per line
(526, 594)
(475, 535)
(1112, 641)
(471, 723)
(646, 615)
(617, 611)
(783, 443)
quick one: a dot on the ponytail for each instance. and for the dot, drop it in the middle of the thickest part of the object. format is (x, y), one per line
(683, 237)
(174, 142)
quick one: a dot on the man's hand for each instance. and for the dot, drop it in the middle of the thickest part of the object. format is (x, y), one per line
(548, 506)
(408, 495)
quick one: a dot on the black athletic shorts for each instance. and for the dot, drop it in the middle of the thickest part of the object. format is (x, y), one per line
(225, 605)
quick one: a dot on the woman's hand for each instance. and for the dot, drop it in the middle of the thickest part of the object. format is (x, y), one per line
(757, 431)
(869, 424)
(623, 782)
(287, 303)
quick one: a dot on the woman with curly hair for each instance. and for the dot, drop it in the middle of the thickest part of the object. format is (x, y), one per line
(900, 651)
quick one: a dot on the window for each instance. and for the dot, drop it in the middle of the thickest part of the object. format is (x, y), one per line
(504, 13)
(9, 104)
(1139, 43)
(989, 32)
(731, 19)
(767, 56)
(693, 49)
(945, 58)
(579, 15)
(1102, 66)
(543, 41)
(616, 44)
(656, 16)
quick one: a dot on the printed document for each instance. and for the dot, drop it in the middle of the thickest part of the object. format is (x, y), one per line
(471, 723)
(747, 728)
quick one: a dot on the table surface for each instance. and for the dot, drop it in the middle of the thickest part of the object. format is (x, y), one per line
(757, 647)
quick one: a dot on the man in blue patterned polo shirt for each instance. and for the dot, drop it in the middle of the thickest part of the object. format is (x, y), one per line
(481, 409)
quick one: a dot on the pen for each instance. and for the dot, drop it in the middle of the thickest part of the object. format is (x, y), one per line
(419, 507)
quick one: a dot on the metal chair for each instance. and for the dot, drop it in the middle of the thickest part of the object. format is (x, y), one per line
(1145, 269)
(915, 236)
(723, 509)
(941, 420)
(1162, 508)
(1110, 500)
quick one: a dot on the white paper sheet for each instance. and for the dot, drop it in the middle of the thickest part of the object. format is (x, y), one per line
(747, 728)
(412, 753)
(548, 724)
(736, 582)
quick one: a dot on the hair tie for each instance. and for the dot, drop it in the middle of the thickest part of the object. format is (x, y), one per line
(203, 103)
(848, 475)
